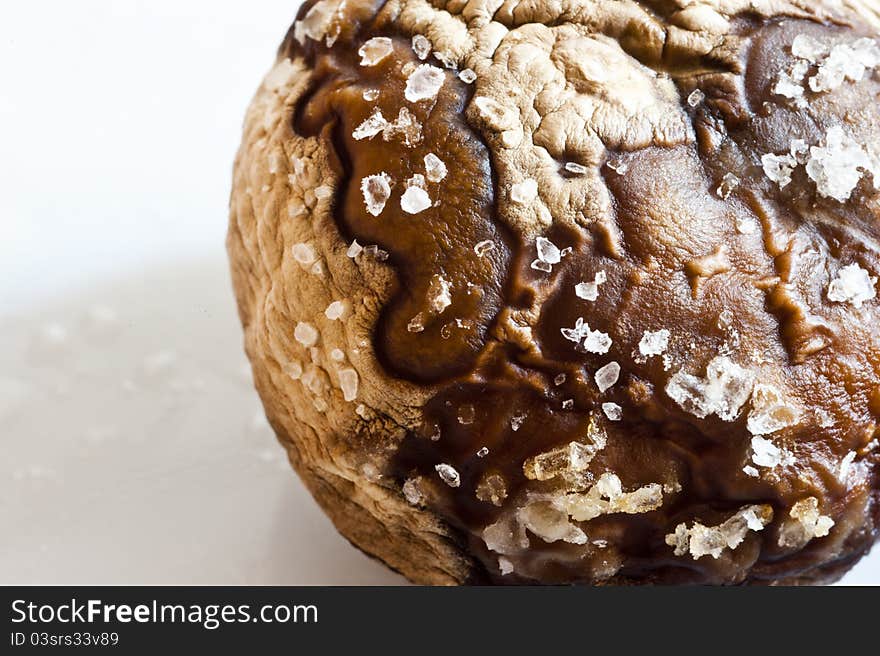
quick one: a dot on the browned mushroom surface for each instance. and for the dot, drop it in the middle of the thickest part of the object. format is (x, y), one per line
(573, 292)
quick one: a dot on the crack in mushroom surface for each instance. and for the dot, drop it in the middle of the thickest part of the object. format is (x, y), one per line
(602, 278)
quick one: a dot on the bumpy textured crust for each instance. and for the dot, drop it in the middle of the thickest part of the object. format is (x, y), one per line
(737, 447)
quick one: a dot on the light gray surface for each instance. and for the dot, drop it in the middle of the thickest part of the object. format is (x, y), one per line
(132, 446)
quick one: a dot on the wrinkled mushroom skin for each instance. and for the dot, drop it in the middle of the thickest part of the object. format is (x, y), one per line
(484, 439)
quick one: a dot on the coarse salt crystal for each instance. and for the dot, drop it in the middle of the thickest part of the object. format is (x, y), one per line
(618, 166)
(597, 342)
(405, 127)
(375, 252)
(524, 192)
(779, 168)
(416, 324)
(415, 200)
(806, 47)
(728, 184)
(294, 369)
(370, 95)
(767, 454)
(417, 180)
(435, 169)
(483, 247)
(439, 294)
(335, 310)
(723, 391)
(354, 249)
(852, 285)
(467, 76)
(547, 251)
(421, 46)
(316, 23)
(589, 291)
(306, 334)
(654, 343)
(376, 190)
(845, 465)
(375, 50)
(613, 411)
(303, 253)
(371, 126)
(789, 84)
(448, 474)
(607, 376)
(496, 115)
(412, 492)
(575, 168)
(696, 98)
(348, 383)
(769, 412)
(424, 83)
(838, 166)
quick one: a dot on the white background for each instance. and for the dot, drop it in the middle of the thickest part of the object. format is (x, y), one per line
(132, 446)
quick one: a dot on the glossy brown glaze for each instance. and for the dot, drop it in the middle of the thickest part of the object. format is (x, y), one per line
(741, 274)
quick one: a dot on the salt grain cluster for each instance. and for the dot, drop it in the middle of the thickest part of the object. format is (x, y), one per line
(548, 255)
(839, 165)
(852, 285)
(700, 540)
(723, 391)
(593, 341)
(654, 343)
(805, 524)
(767, 454)
(833, 66)
(405, 127)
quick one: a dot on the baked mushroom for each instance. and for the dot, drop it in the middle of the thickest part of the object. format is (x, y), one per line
(573, 292)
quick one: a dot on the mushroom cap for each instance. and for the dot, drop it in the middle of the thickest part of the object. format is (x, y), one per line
(574, 292)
